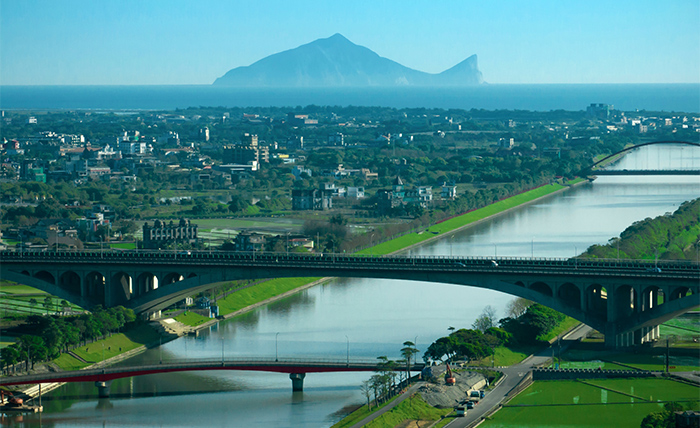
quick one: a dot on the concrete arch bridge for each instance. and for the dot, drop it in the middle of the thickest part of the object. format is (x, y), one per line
(624, 299)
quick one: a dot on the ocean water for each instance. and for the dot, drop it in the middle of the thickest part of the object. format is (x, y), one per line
(627, 97)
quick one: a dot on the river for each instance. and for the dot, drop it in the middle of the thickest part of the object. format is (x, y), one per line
(365, 317)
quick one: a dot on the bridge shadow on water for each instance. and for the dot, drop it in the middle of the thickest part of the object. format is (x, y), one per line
(115, 395)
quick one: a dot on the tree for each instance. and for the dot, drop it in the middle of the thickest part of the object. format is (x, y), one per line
(48, 301)
(102, 233)
(664, 418)
(35, 349)
(9, 355)
(126, 227)
(486, 320)
(237, 204)
(517, 307)
(408, 351)
(366, 389)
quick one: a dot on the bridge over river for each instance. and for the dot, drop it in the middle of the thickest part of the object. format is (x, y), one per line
(296, 367)
(624, 299)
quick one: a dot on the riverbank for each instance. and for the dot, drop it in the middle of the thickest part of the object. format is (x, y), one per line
(276, 289)
(77, 362)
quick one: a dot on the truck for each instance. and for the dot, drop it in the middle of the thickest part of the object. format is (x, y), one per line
(474, 396)
(461, 411)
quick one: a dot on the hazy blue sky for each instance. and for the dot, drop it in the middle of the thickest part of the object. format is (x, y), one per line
(125, 42)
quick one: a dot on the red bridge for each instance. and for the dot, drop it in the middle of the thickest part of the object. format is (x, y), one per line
(297, 369)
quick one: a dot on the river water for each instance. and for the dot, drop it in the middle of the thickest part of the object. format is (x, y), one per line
(363, 317)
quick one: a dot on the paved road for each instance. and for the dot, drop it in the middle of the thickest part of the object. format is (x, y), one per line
(512, 376)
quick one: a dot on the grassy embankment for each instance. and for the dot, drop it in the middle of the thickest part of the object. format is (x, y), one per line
(591, 403)
(109, 347)
(454, 223)
(411, 409)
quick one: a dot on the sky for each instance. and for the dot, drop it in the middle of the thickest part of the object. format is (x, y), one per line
(172, 42)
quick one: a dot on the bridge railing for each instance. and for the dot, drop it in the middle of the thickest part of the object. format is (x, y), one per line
(267, 360)
(272, 259)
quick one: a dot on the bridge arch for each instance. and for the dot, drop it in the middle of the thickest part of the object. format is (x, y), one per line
(45, 276)
(145, 283)
(122, 287)
(570, 294)
(625, 301)
(597, 300)
(628, 149)
(651, 297)
(541, 288)
(70, 281)
(95, 287)
(172, 278)
(680, 292)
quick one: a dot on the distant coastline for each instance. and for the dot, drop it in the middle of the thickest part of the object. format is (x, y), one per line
(682, 97)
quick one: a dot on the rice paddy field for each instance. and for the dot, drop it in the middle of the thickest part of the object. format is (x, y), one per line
(592, 403)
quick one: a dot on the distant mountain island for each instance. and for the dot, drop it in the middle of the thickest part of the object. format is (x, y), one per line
(338, 62)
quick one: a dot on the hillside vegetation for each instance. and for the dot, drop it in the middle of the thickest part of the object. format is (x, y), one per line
(670, 237)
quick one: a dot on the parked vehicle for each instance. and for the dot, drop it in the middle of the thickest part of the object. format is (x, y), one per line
(470, 404)
(461, 411)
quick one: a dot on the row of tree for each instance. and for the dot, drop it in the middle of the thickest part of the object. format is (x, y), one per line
(51, 335)
(382, 385)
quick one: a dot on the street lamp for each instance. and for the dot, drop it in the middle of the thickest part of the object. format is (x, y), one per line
(348, 349)
(276, 355)
(222, 351)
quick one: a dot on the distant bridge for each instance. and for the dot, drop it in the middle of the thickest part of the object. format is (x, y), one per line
(596, 168)
(296, 368)
(601, 172)
(625, 299)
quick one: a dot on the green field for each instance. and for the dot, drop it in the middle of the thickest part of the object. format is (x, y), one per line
(191, 319)
(14, 288)
(124, 246)
(594, 358)
(594, 403)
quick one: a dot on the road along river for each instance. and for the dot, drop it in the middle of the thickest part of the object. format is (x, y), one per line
(366, 318)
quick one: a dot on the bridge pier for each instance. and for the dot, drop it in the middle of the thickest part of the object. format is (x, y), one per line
(103, 388)
(297, 381)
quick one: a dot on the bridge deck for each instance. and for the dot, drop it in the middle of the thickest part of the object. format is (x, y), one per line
(268, 365)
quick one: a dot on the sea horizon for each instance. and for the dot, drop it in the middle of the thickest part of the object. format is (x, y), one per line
(653, 97)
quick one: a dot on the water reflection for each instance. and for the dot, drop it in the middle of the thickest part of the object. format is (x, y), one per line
(377, 316)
